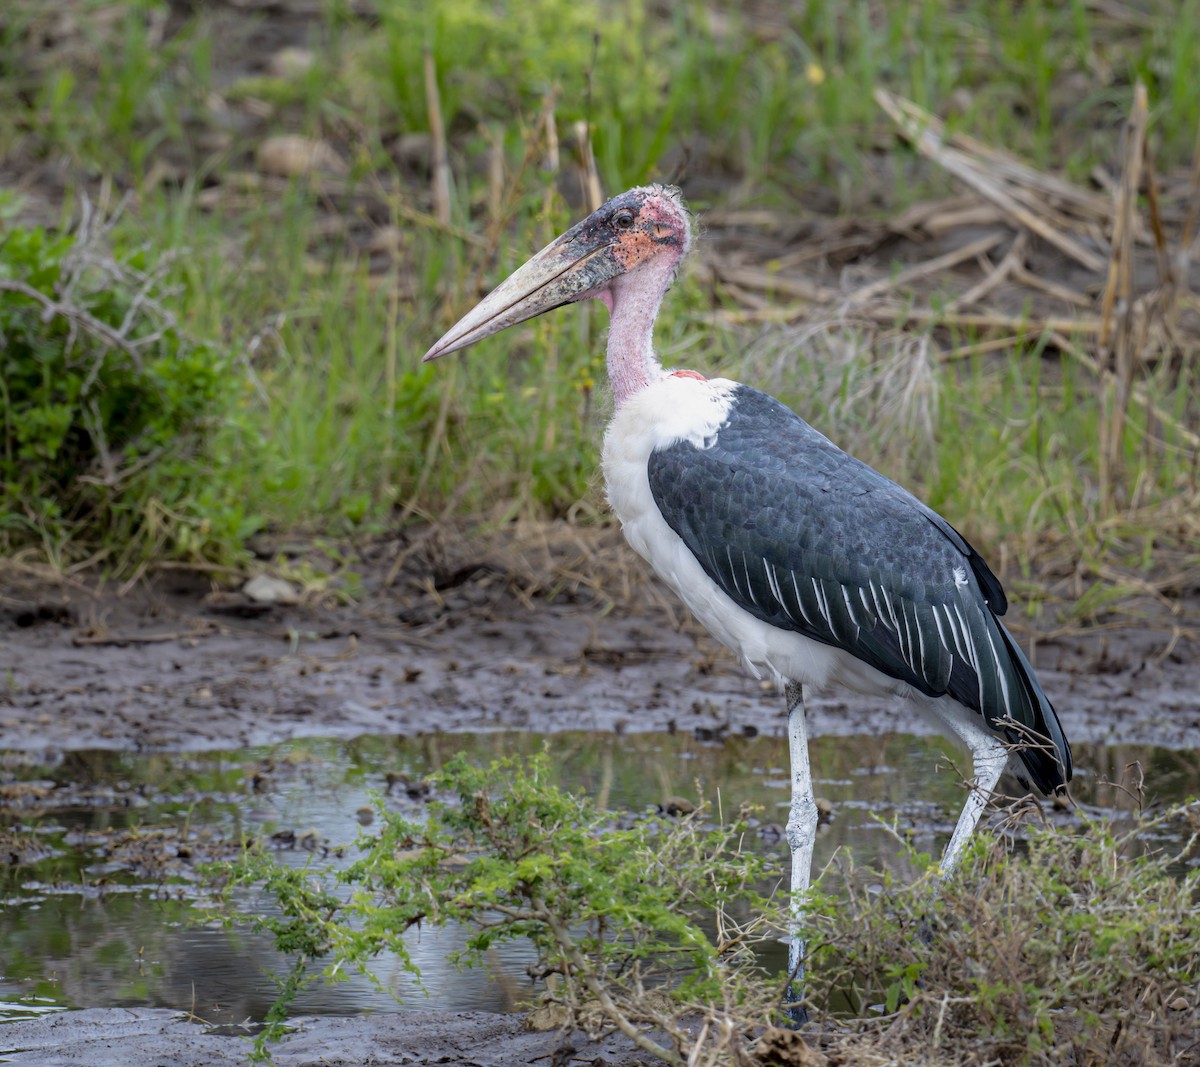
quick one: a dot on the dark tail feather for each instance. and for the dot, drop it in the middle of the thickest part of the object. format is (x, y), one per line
(1044, 748)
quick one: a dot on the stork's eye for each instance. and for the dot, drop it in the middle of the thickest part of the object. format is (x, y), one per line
(623, 219)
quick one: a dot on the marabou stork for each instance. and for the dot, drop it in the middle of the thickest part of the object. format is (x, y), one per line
(810, 565)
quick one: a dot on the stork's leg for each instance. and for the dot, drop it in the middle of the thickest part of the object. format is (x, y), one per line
(801, 833)
(989, 757)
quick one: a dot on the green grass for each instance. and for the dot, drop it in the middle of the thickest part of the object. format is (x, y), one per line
(335, 426)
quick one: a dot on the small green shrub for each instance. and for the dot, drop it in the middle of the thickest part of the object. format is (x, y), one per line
(106, 407)
(1073, 947)
(634, 926)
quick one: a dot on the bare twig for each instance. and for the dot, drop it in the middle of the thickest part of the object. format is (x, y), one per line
(569, 947)
(75, 315)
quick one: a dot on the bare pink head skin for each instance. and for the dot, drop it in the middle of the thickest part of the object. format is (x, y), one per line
(625, 254)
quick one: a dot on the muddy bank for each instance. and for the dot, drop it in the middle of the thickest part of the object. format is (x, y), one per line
(147, 1037)
(175, 667)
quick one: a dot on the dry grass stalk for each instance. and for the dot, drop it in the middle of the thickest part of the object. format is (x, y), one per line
(551, 163)
(1005, 343)
(1024, 276)
(923, 270)
(440, 177)
(589, 176)
(894, 314)
(549, 128)
(1013, 260)
(1193, 213)
(1120, 260)
(1076, 201)
(921, 217)
(1116, 342)
(921, 129)
(1166, 273)
(1137, 392)
(769, 281)
(495, 138)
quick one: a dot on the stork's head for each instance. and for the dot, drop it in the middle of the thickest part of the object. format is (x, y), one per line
(643, 231)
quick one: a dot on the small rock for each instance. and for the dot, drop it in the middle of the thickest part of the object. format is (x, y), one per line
(771, 833)
(1179, 1004)
(264, 589)
(291, 62)
(414, 790)
(676, 806)
(546, 1017)
(289, 155)
(413, 150)
(388, 241)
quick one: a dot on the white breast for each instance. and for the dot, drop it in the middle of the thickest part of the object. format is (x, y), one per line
(690, 409)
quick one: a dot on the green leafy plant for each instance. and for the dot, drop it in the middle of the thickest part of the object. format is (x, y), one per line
(635, 925)
(107, 405)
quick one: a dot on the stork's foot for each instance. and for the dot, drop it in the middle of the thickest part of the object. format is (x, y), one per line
(795, 1012)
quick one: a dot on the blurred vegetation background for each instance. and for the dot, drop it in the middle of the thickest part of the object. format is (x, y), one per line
(228, 231)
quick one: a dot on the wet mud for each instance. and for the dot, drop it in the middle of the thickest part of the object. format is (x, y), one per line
(147, 1037)
(178, 667)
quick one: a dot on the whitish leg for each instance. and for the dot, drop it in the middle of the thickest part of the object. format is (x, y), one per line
(989, 757)
(801, 833)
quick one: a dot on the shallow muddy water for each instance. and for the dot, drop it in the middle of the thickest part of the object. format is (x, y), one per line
(101, 846)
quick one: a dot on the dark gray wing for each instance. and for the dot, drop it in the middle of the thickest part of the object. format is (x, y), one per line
(807, 538)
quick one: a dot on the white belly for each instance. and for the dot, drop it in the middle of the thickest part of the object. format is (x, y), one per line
(689, 409)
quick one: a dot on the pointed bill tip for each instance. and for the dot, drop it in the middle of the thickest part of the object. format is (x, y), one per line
(452, 341)
(557, 275)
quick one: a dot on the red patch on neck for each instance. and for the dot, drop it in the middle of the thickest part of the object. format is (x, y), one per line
(689, 374)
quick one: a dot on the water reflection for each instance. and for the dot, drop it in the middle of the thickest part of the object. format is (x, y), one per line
(81, 927)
